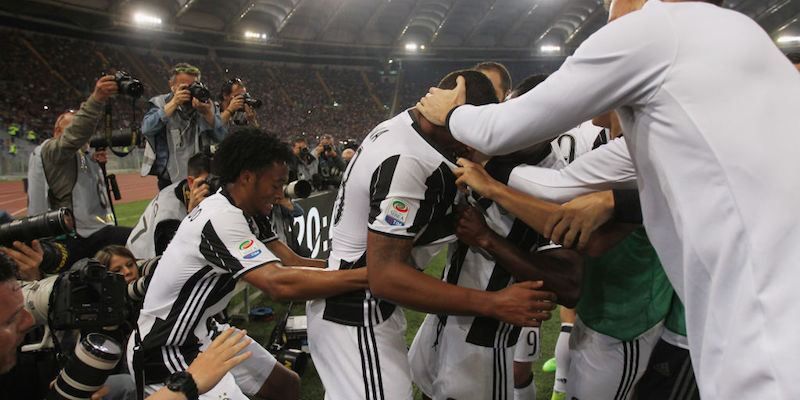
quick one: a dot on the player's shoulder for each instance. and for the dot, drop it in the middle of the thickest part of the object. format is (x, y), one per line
(398, 141)
(218, 210)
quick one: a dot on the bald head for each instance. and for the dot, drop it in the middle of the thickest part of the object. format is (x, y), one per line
(62, 123)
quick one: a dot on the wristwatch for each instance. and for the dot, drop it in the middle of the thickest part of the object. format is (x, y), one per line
(182, 382)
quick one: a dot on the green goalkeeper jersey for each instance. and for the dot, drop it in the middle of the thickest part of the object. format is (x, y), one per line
(676, 319)
(625, 291)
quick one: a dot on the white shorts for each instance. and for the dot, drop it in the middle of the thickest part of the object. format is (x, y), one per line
(226, 389)
(360, 362)
(602, 367)
(251, 374)
(529, 345)
(248, 377)
(444, 365)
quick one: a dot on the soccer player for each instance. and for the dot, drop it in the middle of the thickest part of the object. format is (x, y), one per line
(625, 298)
(215, 245)
(390, 216)
(471, 357)
(692, 83)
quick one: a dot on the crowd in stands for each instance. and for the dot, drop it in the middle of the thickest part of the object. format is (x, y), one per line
(299, 100)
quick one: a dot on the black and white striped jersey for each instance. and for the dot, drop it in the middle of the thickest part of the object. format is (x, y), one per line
(213, 247)
(473, 268)
(398, 184)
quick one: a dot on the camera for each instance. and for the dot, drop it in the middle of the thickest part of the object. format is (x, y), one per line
(326, 148)
(50, 224)
(214, 183)
(299, 189)
(128, 85)
(95, 357)
(138, 288)
(87, 297)
(349, 144)
(305, 155)
(288, 342)
(251, 101)
(199, 91)
(117, 140)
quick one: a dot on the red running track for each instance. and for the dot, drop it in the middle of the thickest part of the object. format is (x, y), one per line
(132, 187)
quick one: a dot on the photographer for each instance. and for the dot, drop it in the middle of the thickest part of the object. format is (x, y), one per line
(161, 218)
(237, 105)
(305, 165)
(74, 178)
(15, 319)
(330, 166)
(179, 124)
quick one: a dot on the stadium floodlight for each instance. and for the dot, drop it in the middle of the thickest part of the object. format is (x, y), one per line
(549, 48)
(255, 35)
(411, 47)
(422, 47)
(789, 39)
(146, 19)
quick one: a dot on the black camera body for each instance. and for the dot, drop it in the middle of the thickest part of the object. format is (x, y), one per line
(213, 182)
(128, 85)
(326, 148)
(199, 91)
(251, 101)
(88, 297)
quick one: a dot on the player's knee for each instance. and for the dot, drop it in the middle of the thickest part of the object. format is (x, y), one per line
(522, 372)
(282, 383)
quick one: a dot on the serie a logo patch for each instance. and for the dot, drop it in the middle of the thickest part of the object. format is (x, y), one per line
(396, 213)
(249, 249)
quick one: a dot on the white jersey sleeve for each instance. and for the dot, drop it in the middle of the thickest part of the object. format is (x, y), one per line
(607, 167)
(611, 68)
(397, 200)
(244, 250)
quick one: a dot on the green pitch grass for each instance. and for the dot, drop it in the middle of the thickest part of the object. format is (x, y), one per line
(311, 387)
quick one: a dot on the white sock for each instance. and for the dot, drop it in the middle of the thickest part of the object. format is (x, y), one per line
(527, 392)
(562, 358)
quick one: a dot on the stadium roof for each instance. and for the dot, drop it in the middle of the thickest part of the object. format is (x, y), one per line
(378, 29)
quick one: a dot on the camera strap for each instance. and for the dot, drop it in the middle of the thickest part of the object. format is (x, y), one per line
(107, 119)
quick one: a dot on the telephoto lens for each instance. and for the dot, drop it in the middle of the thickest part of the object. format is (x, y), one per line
(120, 139)
(299, 189)
(138, 288)
(96, 355)
(49, 224)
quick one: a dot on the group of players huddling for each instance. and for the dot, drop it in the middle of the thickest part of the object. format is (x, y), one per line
(458, 172)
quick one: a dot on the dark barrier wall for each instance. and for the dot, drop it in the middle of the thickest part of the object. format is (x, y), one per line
(312, 230)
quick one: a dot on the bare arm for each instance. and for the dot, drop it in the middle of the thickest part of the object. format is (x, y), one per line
(297, 284)
(391, 278)
(561, 270)
(289, 257)
(563, 224)
(532, 211)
